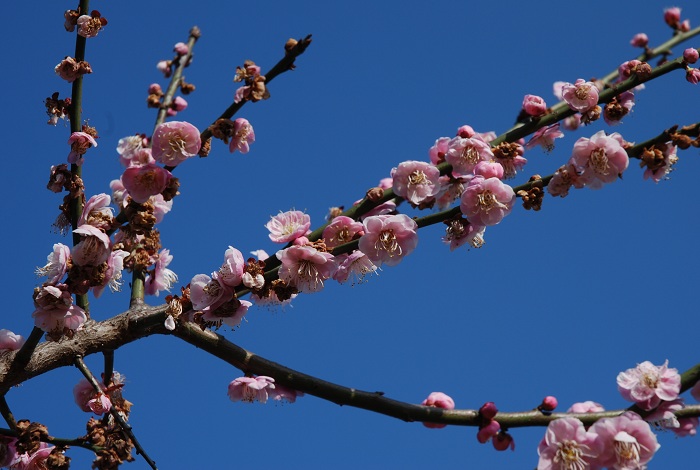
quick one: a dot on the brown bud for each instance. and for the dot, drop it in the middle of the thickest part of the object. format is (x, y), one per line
(375, 194)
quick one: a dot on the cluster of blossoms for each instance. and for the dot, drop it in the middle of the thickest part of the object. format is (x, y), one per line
(254, 88)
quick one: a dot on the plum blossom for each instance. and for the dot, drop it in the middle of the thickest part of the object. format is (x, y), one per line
(534, 105)
(544, 137)
(306, 268)
(209, 292)
(460, 231)
(691, 55)
(89, 400)
(79, 142)
(10, 341)
(56, 264)
(388, 238)
(243, 136)
(486, 201)
(113, 273)
(90, 25)
(174, 142)
(451, 188)
(70, 70)
(160, 278)
(580, 96)
(97, 212)
(250, 389)
(415, 181)
(128, 148)
(618, 107)
(488, 431)
(286, 226)
(647, 384)
(585, 407)
(145, 181)
(282, 393)
(672, 17)
(438, 151)
(438, 400)
(226, 316)
(599, 160)
(356, 265)
(340, 230)
(692, 76)
(626, 442)
(639, 40)
(231, 271)
(55, 312)
(664, 417)
(567, 446)
(94, 246)
(465, 153)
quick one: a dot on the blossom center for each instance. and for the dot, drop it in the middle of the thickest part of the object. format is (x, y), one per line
(470, 155)
(212, 288)
(599, 161)
(569, 456)
(455, 230)
(582, 92)
(387, 242)
(487, 201)
(626, 450)
(308, 273)
(341, 236)
(650, 380)
(417, 177)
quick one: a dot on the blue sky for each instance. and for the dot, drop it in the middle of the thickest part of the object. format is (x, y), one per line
(556, 303)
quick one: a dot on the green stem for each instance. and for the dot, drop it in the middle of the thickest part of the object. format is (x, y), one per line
(183, 61)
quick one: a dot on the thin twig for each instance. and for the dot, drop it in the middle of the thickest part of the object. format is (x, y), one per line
(126, 428)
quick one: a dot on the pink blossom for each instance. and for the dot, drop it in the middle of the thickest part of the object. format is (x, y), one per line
(415, 181)
(626, 442)
(438, 400)
(37, 460)
(388, 238)
(340, 230)
(465, 153)
(438, 151)
(672, 17)
(564, 178)
(241, 93)
(243, 136)
(145, 181)
(56, 264)
(79, 142)
(306, 268)
(94, 247)
(179, 103)
(89, 26)
(174, 142)
(618, 108)
(165, 67)
(486, 201)
(356, 265)
(580, 96)
(154, 89)
(460, 231)
(556, 89)
(209, 292)
(286, 226)
(160, 278)
(10, 341)
(55, 311)
(626, 69)
(216, 317)
(181, 48)
(503, 441)
(129, 147)
(488, 431)
(599, 160)
(88, 399)
(160, 207)
(691, 55)
(586, 407)
(534, 105)
(97, 212)
(119, 192)
(231, 271)
(488, 411)
(451, 188)
(572, 123)
(70, 70)
(549, 403)
(664, 417)
(113, 273)
(544, 137)
(490, 169)
(466, 131)
(647, 384)
(282, 393)
(567, 445)
(693, 76)
(668, 150)
(250, 389)
(639, 40)
(385, 183)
